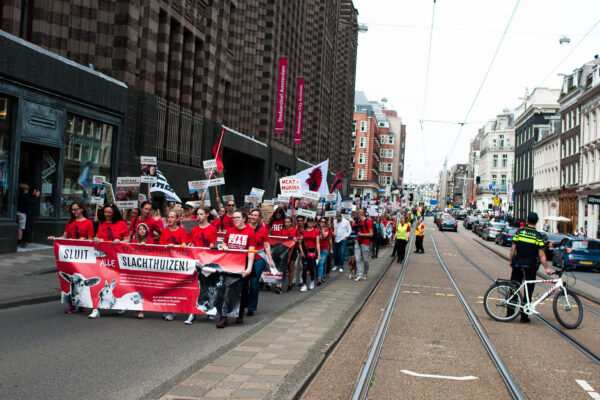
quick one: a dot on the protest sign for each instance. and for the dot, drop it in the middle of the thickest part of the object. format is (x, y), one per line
(290, 186)
(98, 191)
(213, 176)
(228, 197)
(253, 200)
(269, 202)
(109, 192)
(149, 277)
(148, 174)
(331, 213)
(127, 194)
(307, 206)
(266, 211)
(257, 192)
(196, 189)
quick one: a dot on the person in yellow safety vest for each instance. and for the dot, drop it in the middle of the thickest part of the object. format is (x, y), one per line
(401, 238)
(420, 235)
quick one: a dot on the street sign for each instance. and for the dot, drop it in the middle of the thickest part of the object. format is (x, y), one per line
(496, 187)
(496, 201)
(553, 205)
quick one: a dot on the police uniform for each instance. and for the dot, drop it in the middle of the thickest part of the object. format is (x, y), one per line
(419, 236)
(528, 242)
(401, 238)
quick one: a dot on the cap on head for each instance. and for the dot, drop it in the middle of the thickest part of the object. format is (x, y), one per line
(532, 218)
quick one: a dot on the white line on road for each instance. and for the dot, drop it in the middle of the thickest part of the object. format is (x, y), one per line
(588, 388)
(454, 378)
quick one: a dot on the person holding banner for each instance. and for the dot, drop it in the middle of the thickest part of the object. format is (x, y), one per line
(291, 232)
(112, 228)
(202, 235)
(312, 253)
(145, 217)
(240, 237)
(78, 226)
(324, 234)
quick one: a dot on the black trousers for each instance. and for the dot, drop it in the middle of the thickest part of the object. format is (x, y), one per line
(400, 249)
(375, 246)
(245, 292)
(419, 244)
(530, 274)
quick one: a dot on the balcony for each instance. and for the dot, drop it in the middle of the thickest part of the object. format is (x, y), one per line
(495, 150)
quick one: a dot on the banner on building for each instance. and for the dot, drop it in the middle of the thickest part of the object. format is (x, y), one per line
(149, 277)
(299, 110)
(280, 105)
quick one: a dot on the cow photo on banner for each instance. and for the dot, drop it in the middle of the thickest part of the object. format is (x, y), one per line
(281, 251)
(150, 278)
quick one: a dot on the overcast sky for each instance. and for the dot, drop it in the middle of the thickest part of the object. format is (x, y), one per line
(392, 63)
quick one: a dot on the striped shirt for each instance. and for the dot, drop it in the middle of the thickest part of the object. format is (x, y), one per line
(528, 242)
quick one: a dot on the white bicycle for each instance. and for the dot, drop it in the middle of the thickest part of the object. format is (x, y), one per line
(503, 301)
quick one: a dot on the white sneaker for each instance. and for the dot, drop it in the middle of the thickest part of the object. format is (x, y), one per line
(210, 317)
(191, 320)
(95, 313)
(168, 317)
(350, 276)
(341, 269)
(364, 277)
(358, 278)
(303, 288)
(121, 312)
(311, 285)
(334, 268)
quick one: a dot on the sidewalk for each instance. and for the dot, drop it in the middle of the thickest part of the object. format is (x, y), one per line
(280, 359)
(28, 277)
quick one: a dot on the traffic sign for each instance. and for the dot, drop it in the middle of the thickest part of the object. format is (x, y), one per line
(553, 205)
(496, 201)
(496, 187)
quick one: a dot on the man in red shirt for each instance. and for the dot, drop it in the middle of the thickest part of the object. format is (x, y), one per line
(362, 248)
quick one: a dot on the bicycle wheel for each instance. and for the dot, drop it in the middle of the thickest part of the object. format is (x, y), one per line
(567, 309)
(502, 302)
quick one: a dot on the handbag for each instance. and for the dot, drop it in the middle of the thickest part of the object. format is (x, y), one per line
(312, 254)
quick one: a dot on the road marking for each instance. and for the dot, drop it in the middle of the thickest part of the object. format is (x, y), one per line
(453, 378)
(588, 388)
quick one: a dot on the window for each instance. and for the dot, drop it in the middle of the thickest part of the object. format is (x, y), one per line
(5, 133)
(495, 160)
(363, 126)
(493, 143)
(494, 178)
(88, 146)
(362, 142)
(388, 167)
(383, 139)
(361, 174)
(390, 140)
(503, 181)
(361, 158)
(353, 126)
(501, 140)
(504, 160)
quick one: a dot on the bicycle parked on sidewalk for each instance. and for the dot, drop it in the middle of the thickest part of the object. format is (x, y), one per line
(503, 301)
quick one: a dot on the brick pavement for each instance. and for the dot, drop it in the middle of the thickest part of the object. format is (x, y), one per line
(278, 360)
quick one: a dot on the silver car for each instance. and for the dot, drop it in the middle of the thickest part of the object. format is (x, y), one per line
(490, 231)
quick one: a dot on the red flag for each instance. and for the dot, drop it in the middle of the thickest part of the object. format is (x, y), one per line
(218, 151)
(337, 182)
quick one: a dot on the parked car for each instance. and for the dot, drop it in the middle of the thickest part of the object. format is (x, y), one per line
(491, 230)
(448, 223)
(551, 243)
(468, 222)
(462, 214)
(481, 227)
(477, 224)
(505, 237)
(577, 253)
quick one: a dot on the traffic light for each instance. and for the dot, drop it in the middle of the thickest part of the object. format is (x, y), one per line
(477, 180)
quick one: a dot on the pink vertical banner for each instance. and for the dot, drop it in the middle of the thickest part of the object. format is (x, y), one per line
(299, 110)
(280, 106)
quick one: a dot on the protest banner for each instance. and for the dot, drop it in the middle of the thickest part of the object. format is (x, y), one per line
(98, 191)
(281, 251)
(109, 192)
(269, 202)
(127, 194)
(280, 103)
(266, 211)
(228, 197)
(290, 186)
(252, 200)
(257, 192)
(307, 206)
(196, 189)
(212, 174)
(149, 277)
(148, 174)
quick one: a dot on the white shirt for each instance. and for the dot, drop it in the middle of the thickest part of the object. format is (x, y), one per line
(342, 229)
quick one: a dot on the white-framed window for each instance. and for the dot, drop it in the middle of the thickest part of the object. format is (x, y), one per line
(361, 158)
(504, 160)
(361, 174)
(503, 181)
(501, 140)
(390, 140)
(494, 178)
(353, 126)
(363, 126)
(362, 143)
(494, 144)
(388, 167)
(383, 139)
(495, 160)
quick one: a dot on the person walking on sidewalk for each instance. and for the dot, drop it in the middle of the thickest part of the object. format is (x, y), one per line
(362, 249)
(420, 235)
(342, 230)
(312, 254)
(401, 238)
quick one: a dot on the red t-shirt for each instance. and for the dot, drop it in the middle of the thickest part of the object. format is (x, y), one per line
(310, 238)
(152, 224)
(240, 239)
(112, 231)
(289, 233)
(80, 229)
(324, 242)
(262, 236)
(148, 240)
(179, 236)
(364, 228)
(277, 228)
(227, 222)
(203, 237)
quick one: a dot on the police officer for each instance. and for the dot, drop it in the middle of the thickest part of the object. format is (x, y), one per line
(527, 251)
(420, 235)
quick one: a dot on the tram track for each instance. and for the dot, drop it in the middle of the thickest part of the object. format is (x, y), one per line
(575, 343)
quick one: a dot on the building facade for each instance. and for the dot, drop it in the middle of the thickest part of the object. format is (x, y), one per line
(398, 141)
(366, 148)
(187, 68)
(496, 162)
(546, 175)
(458, 185)
(589, 188)
(473, 169)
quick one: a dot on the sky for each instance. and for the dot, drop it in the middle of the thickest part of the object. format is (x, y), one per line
(393, 57)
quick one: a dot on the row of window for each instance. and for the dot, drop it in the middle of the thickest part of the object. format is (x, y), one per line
(504, 161)
(385, 180)
(571, 119)
(386, 153)
(570, 147)
(363, 126)
(386, 139)
(502, 179)
(590, 166)
(590, 131)
(524, 166)
(570, 174)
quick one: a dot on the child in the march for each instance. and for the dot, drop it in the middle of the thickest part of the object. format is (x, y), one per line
(352, 267)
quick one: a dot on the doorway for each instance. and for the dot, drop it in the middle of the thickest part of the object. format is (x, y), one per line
(38, 167)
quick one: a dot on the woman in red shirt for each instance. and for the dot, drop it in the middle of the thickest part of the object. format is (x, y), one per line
(145, 217)
(202, 235)
(218, 222)
(324, 235)
(112, 228)
(276, 222)
(291, 232)
(311, 250)
(79, 226)
(141, 235)
(260, 260)
(240, 237)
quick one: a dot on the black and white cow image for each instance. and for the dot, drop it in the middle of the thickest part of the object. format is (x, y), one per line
(281, 256)
(129, 301)
(220, 290)
(79, 293)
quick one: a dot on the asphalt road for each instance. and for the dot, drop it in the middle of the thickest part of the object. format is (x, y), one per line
(46, 354)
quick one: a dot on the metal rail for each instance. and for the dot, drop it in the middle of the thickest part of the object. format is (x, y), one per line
(587, 352)
(507, 378)
(362, 387)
